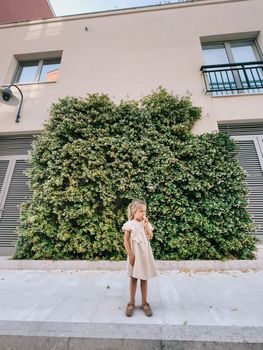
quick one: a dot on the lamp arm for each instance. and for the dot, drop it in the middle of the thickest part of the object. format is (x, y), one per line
(20, 104)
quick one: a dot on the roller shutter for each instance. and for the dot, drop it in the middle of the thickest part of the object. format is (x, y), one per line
(249, 138)
(13, 187)
(239, 129)
(15, 145)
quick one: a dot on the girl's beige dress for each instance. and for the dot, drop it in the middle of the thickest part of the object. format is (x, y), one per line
(144, 266)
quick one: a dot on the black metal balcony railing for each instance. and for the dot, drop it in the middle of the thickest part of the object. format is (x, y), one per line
(234, 77)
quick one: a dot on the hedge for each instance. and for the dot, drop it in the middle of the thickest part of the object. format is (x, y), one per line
(95, 156)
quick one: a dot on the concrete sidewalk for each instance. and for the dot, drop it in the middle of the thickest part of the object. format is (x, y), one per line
(72, 309)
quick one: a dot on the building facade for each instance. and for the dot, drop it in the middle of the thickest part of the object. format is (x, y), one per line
(208, 49)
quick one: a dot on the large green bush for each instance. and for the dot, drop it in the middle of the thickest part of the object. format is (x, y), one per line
(95, 156)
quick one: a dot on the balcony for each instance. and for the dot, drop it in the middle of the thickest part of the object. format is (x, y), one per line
(233, 78)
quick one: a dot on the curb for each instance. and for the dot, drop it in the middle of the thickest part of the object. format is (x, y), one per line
(6, 263)
(108, 336)
(104, 265)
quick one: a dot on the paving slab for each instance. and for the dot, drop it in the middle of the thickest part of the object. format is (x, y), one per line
(232, 298)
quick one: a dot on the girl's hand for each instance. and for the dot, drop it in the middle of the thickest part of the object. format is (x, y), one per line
(132, 259)
(148, 231)
(145, 221)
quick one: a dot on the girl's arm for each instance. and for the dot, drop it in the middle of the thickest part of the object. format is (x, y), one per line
(128, 247)
(149, 231)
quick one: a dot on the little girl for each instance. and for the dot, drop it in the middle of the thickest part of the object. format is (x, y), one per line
(137, 233)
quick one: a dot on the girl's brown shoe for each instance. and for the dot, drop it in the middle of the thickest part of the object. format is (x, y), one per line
(147, 309)
(129, 309)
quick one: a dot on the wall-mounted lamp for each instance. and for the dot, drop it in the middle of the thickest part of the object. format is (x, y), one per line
(8, 97)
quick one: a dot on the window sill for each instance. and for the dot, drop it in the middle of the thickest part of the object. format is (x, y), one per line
(234, 95)
(40, 83)
(25, 84)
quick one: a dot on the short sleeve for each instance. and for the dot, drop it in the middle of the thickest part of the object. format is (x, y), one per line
(127, 226)
(150, 226)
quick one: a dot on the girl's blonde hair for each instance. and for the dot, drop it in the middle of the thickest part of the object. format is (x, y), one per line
(133, 206)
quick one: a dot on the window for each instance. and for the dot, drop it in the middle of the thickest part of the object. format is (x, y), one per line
(35, 71)
(232, 67)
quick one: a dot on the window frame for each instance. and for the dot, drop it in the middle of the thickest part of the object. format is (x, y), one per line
(39, 66)
(228, 50)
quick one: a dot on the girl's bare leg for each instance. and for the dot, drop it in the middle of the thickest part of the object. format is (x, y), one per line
(133, 286)
(144, 291)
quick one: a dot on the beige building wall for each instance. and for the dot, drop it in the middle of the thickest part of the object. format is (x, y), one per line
(128, 53)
